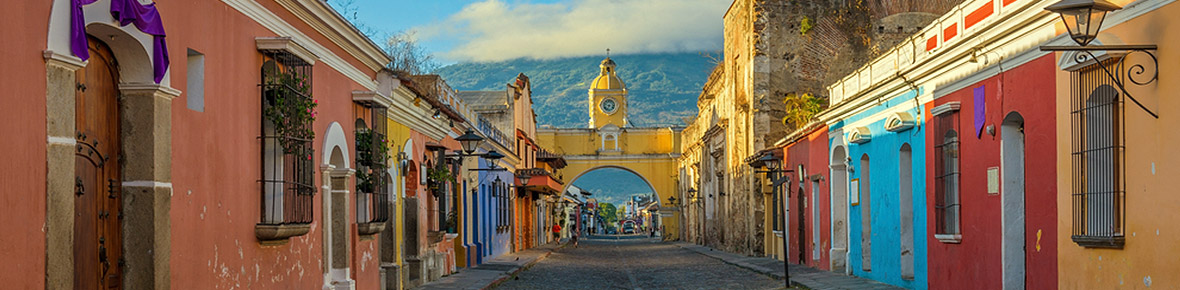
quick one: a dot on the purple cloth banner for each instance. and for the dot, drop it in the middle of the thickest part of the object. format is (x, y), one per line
(980, 110)
(145, 17)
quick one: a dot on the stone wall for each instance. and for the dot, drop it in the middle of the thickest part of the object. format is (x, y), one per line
(774, 48)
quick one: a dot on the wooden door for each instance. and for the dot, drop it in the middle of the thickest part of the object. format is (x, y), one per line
(97, 206)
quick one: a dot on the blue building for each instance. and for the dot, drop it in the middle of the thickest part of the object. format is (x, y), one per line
(879, 192)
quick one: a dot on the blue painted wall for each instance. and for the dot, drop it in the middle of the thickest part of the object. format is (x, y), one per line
(883, 151)
(494, 242)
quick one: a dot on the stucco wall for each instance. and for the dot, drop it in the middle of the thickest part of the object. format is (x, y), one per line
(881, 193)
(1147, 261)
(23, 194)
(977, 259)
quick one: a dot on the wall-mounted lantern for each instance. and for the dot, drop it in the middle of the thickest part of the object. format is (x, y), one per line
(1083, 19)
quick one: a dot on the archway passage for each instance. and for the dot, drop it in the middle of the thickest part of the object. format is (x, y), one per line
(98, 239)
(623, 201)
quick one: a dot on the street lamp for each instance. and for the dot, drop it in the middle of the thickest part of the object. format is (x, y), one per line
(1083, 20)
(772, 171)
(469, 141)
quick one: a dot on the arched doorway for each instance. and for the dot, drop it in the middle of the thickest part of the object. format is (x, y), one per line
(98, 236)
(1012, 198)
(622, 195)
(839, 172)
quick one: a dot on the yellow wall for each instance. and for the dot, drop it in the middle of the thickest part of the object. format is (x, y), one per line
(397, 135)
(1152, 234)
(632, 141)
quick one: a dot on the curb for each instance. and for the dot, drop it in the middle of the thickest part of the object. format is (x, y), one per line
(752, 268)
(526, 266)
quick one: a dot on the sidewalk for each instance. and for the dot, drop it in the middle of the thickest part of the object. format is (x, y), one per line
(493, 272)
(808, 277)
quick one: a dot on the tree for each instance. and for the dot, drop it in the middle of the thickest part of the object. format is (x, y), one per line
(608, 212)
(801, 109)
(408, 57)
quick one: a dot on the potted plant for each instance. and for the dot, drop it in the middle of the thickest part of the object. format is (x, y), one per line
(437, 177)
(290, 108)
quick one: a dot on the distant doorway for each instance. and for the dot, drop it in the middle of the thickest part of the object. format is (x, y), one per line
(906, 210)
(838, 255)
(1012, 198)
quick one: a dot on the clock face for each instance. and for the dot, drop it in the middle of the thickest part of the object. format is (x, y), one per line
(608, 106)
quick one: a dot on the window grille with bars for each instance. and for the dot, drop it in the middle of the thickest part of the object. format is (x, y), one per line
(946, 196)
(286, 140)
(1097, 143)
(372, 162)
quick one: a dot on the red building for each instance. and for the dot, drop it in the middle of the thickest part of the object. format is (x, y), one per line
(806, 152)
(986, 222)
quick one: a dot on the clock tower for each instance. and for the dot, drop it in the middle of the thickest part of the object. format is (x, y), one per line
(608, 98)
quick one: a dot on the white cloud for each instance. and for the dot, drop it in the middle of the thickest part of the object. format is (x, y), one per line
(493, 30)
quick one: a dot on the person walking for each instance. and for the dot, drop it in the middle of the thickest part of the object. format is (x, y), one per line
(557, 233)
(574, 235)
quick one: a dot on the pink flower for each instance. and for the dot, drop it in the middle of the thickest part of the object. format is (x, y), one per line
(315, 101)
(309, 110)
(308, 157)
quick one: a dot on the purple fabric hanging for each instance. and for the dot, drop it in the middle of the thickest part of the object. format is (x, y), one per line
(980, 110)
(78, 29)
(145, 17)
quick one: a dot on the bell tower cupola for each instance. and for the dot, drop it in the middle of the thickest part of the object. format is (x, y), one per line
(608, 97)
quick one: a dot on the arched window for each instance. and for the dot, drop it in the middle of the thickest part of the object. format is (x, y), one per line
(946, 173)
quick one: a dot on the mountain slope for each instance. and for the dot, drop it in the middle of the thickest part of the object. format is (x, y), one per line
(662, 87)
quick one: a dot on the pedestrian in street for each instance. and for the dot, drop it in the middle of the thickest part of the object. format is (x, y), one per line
(556, 233)
(574, 235)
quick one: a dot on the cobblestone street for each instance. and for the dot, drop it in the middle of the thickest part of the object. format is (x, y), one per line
(635, 263)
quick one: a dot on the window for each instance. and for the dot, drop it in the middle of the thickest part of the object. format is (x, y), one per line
(194, 89)
(777, 194)
(946, 196)
(1098, 188)
(287, 136)
(372, 162)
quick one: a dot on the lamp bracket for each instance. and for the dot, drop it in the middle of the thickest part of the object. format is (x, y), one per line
(1137, 73)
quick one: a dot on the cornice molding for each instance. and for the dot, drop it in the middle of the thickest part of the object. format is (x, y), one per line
(332, 25)
(286, 44)
(277, 25)
(69, 62)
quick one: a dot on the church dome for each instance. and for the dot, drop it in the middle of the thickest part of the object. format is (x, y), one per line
(607, 80)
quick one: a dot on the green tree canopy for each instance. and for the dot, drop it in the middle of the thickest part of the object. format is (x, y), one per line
(608, 212)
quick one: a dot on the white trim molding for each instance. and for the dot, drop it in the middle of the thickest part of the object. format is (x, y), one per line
(58, 140)
(949, 239)
(67, 61)
(945, 108)
(276, 24)
(899, 121)
(285, 44)
(147, 183)
(860, 135)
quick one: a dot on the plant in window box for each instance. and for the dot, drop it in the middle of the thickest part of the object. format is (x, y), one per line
(291, 109)
(451, 223)
(437, 177)
(372, 159)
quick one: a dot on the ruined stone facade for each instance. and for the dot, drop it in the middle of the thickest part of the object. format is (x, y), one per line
(773, 48)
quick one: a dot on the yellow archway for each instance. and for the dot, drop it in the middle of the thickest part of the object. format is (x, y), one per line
(649, 153)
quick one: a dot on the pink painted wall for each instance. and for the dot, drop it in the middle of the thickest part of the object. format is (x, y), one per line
(216, 199)
(22, 179)
(975, 263)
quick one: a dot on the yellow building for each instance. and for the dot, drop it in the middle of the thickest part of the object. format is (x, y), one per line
(610, 142)
(1130, 240)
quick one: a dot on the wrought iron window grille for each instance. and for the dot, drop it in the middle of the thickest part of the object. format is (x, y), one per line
(946, 196)
(1098, 187)
(287, 159)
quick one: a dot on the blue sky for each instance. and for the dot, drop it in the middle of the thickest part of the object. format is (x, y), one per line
(495, 30)
(612, 185)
